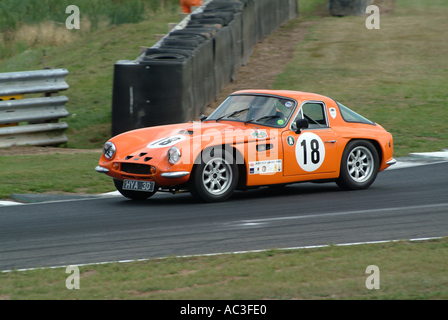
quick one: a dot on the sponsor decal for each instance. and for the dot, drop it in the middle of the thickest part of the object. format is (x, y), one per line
(288, 104)
(280, 122)
(333, 113)
(166, 142)
(268, 166)
(290, 140)
(258, 134)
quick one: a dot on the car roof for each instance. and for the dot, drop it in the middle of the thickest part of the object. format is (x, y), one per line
(297, 95)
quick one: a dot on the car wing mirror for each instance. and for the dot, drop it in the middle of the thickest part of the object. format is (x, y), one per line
(203, 117)
(301, 124)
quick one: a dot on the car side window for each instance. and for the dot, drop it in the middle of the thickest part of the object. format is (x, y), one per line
(315, 114)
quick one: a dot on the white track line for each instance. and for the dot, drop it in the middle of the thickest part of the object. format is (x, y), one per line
(9, 203)
(255, 221)
(228, 253)
(441, 154)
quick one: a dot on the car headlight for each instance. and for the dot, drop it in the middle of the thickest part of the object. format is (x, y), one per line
(173, 155)
(109, 150)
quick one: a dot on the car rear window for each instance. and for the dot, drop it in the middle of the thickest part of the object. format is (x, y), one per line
(351, 116)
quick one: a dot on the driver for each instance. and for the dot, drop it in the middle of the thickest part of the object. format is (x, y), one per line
(279, 119)
(279, 113)
(272, 110)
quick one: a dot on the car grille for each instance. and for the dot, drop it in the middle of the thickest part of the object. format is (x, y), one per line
(136, 168)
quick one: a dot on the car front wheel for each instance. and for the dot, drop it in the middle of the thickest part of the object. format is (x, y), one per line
(215, 178)
(359, 165)
(134, 195)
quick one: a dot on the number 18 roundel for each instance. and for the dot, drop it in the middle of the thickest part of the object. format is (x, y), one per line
(310, 151)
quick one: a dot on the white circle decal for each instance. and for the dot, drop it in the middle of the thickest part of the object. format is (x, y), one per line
(166, 142)
(310, 151)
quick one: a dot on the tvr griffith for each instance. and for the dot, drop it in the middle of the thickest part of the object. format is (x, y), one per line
(254, 138)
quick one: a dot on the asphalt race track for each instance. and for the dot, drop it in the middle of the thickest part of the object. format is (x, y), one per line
(402, 204)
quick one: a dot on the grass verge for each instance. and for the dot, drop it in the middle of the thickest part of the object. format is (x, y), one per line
(408, 270)
(396, 75)
(55, 173)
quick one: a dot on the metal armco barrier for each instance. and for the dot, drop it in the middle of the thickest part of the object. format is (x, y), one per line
(40, 116)
(184, 72)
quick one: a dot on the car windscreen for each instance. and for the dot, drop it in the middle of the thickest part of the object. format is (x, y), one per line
(265, 110)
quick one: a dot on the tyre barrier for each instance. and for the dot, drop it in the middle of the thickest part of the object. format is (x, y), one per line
(226, 17)
(180, 75)
(342, 8)
(207, 22)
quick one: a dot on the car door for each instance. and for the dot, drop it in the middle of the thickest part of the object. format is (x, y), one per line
(264, 154)
(313, 151)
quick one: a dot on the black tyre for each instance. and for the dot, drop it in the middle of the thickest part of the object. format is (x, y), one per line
(215, 178)
(134, 195)
(359, 165)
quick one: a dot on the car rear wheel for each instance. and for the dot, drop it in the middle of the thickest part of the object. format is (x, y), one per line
(134, 195)
(215, 178)
(359, 165)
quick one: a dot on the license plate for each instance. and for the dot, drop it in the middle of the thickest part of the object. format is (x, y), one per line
(136, 185)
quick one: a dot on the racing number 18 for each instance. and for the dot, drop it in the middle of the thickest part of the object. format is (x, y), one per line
(315, 156)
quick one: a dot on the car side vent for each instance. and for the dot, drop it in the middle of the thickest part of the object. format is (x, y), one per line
(128, 157)
(190, 132)
(142, 154)
(264, 147)
(147, 159)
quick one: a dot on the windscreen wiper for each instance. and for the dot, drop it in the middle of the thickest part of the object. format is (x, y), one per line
(262, 118)
(231, 114)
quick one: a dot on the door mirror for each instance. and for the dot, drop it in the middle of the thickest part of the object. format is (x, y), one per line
(301, 124)
(202, 117)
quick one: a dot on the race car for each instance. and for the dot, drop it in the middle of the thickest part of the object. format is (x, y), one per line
(255, 138)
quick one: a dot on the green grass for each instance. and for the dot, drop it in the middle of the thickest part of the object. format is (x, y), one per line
(17, 12)
(56, 173)
(17, 16)
(408, 270)
(396, 76)
(306, 7)
(422, 4)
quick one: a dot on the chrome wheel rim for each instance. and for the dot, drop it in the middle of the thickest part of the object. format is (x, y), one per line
(360, 164)
(217, 176)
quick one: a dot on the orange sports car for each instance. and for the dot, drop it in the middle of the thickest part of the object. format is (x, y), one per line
(254, 138)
